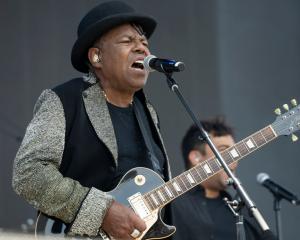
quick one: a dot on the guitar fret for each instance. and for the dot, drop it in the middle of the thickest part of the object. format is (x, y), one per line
(242, 148)
(164, 193)
(206, 168)
(181, 183)
(153, 205)
(168, 191)
(190, 181)
(197, 170)
(238, 151)
(161, 196)
(263, 136)
(154, 199)
(186, 181)
(252, 137)
(268, 133)
(172, 189)
(250, 144)
(259, 139)
(218, 164)
(227, 157)
(233, 153)
(149, 202)
(155, 193)
(213, 165)
(196, 175)
(201, 171)
(176, 186)
(190, 178)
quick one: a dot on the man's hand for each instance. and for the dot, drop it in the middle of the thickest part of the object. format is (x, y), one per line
(120, 221)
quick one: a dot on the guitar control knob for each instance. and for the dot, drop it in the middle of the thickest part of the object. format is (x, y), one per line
(294, 102)
(286, 107)
(140, 180)
(277, 111)
(294, 138)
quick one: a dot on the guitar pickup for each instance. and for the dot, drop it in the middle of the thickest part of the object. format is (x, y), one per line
(137, 203)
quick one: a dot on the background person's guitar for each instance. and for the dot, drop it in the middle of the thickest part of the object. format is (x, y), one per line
(146, 193)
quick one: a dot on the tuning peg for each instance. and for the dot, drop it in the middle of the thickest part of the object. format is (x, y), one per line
(286, 107)
(277, 111)
(294, 102)
(294, 138)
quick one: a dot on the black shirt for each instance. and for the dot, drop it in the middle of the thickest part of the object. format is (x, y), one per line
(132, 151)
(197, 217)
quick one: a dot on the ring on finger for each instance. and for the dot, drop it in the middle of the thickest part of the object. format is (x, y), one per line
(135, 233)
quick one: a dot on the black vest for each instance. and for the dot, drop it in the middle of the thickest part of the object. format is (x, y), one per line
(86, 158)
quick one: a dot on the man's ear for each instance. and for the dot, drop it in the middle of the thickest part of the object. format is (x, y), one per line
(94, 56)
(195, 157)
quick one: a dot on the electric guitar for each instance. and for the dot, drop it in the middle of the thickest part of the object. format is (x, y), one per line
(146, 193)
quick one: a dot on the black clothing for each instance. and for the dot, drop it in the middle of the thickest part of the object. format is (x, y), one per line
(82, 141)
(101, 173)
(132, 151)
(197, 217)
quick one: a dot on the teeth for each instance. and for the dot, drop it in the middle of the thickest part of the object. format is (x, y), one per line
(139, 61)
(138, 64)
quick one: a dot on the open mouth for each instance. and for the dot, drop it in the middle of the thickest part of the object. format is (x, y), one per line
(138, 64)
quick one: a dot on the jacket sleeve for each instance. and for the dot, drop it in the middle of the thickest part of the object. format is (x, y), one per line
(36, 175)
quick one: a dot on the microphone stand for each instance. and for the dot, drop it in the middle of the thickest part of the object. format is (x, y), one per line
(277, 208)
(236, 183)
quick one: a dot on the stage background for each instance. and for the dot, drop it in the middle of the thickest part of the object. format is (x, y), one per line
(242, 61)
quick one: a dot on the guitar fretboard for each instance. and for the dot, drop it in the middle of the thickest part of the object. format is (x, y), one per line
(167, 192)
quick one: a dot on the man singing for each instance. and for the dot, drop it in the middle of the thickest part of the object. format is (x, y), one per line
(85, 135)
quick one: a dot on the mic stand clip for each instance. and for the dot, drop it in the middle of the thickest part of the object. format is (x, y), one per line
(235, 207)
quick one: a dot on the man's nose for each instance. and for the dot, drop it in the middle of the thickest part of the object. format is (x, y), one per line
(141, 48)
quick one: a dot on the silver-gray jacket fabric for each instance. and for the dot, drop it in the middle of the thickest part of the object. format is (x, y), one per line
(36, 176)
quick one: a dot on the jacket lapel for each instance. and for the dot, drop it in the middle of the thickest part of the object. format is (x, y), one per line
(156, 123)
(98, 113)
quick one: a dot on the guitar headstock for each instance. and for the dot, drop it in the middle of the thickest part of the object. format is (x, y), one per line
(289, 122)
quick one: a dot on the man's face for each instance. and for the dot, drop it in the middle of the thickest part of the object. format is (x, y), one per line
(120, 49)
(219, 181)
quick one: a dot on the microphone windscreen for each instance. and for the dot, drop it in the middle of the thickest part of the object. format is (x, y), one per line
(261, 177)
(147, 63)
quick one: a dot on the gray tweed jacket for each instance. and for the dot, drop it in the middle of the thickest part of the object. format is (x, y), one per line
(36, 177)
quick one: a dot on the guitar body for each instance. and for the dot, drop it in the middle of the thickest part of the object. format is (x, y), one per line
(135, 182)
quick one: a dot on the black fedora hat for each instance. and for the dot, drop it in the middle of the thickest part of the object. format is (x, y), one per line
(101, 19)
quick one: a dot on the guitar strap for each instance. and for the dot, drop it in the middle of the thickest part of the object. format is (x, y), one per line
(139, 111)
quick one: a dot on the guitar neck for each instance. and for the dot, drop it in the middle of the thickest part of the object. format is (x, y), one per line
(172, 189)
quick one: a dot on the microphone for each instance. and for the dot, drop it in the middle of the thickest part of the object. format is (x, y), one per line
(276, 189)
(152, 63)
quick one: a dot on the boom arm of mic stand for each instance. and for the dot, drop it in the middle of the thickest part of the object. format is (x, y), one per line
(241, 191)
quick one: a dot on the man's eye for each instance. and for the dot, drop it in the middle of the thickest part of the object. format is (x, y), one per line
(125, 40)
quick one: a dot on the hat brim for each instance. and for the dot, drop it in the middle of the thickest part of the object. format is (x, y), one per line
(84, 42)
